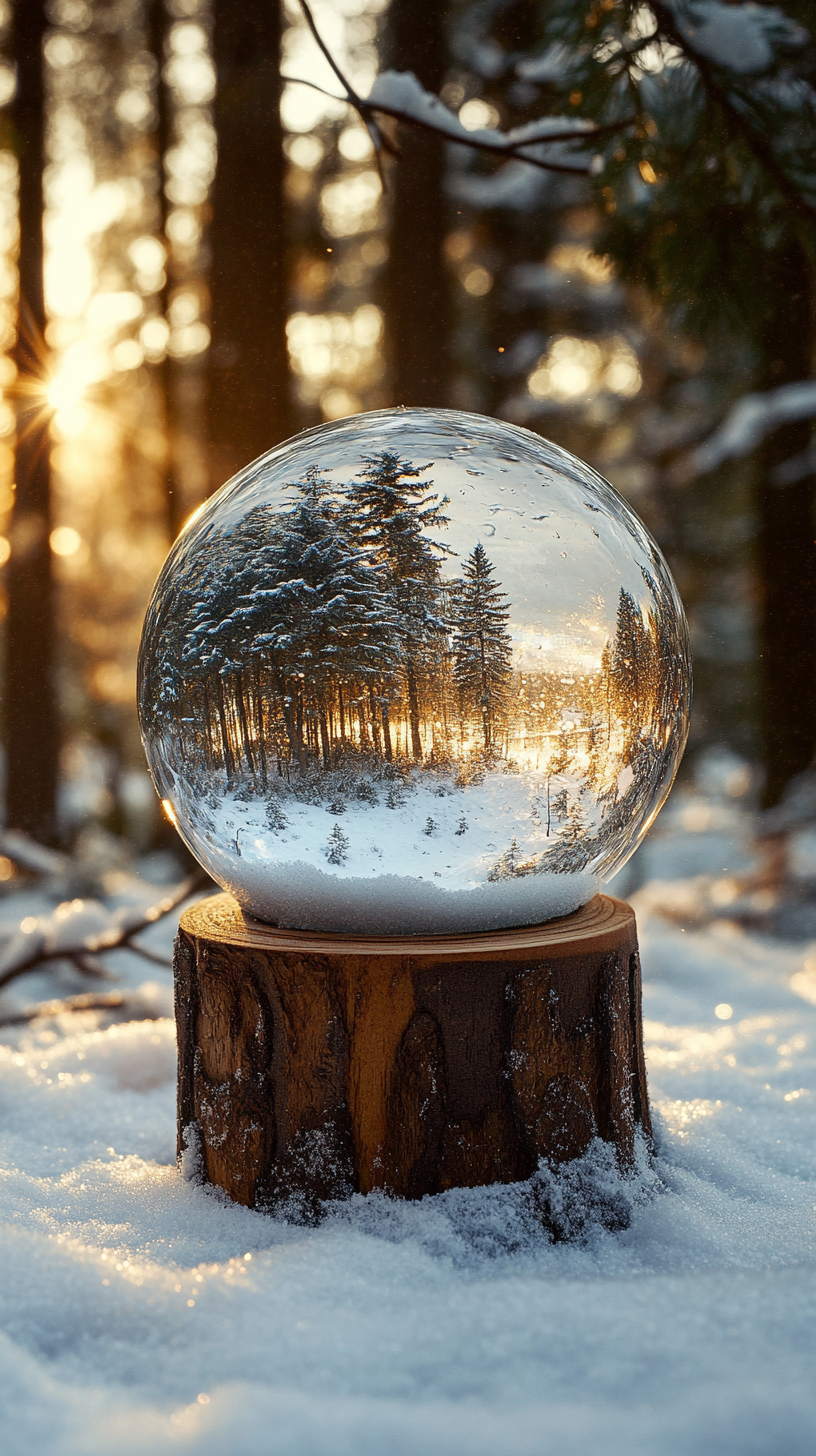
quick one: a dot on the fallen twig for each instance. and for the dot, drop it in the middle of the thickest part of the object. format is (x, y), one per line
(87, 1001)
(118, 937)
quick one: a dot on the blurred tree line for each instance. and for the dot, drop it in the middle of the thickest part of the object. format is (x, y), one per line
(619, 312)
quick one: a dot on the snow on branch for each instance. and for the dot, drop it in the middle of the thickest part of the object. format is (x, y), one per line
(551, 67)
(400, 96)
(744, 39)
(748, 423)
(31, 856)
(79, 930)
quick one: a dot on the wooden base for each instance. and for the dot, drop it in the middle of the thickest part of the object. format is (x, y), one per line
(313, 1065)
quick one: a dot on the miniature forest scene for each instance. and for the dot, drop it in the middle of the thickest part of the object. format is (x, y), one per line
(360, 719)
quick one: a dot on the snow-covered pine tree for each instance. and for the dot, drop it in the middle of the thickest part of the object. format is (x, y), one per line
(317, 612)
(482, 649)
(337, 846)
(672, 685)
(507, 865)
(570, 811)
(570, 852)
(392, 512)
(633, 670)
(206, 654)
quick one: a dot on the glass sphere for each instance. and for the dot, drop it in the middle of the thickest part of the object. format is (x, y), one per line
(414, 671)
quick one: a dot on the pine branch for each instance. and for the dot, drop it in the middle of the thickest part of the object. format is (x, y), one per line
(761, 149)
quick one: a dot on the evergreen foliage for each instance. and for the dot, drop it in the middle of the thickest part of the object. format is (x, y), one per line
(482, 650)
(338, 846)
(710, 177)
(392, 511)
(507, 866)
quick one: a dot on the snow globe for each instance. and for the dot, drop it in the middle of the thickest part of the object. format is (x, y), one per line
(414, 671)
(411, 686)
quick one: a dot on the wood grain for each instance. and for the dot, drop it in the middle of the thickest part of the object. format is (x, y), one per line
(315, 1065)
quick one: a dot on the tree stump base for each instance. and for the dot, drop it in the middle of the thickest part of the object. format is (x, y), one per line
(314, 1065)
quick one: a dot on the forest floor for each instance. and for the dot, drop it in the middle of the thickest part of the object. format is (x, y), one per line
(141, 1313)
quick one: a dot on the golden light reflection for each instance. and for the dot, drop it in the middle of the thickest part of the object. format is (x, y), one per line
(334, 352)
(575, 367)
(65, 541)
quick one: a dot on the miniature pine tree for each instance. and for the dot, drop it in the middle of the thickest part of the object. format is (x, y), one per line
(337, 847)
(572, 814)
(393, 511)
(306, 604)
(633, 670)
(507, 865)
(275, 817)
(481, 645)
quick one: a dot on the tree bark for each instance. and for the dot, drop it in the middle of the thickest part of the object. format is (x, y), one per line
(786, 547)
(229, 760)
(416, 284)
(413, 710)
(165, 372)
(312, 1066)
(31, 704)
(248, 396)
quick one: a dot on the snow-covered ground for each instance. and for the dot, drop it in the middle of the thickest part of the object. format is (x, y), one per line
(144, 1314)
(421, 865)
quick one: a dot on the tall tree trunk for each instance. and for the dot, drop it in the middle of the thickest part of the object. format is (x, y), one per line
(386, 723)
(292, 721)
(416, 283)
(486, 715)
(248, 397)
(210, 741)
(364, 739)
(243, 722)
(787, 550)
(229, 761)
(299, 728)
(261, 726)
(375, 716)
(325, 742)
(413, 711)
(31, 707)
(175, 509)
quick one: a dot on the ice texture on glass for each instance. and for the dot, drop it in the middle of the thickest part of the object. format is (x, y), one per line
(414, 671)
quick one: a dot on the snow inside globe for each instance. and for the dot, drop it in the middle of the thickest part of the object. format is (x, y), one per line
(414, 671)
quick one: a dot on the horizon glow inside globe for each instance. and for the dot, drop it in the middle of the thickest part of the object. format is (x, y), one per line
(415, 671)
